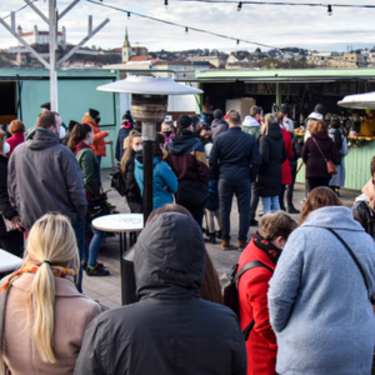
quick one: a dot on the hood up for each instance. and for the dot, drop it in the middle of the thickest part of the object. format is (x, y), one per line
(170, 256)
(182, 143)
(41, 139)
(335, 217)
(315, 116)
(250, 121)
(218, 122)
(274, 131)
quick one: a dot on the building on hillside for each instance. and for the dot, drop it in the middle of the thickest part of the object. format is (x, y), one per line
(218, 61)
(41, 37)
(179, 70)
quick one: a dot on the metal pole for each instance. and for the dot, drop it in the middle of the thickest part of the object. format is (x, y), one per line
(52, 54)
(148, 135)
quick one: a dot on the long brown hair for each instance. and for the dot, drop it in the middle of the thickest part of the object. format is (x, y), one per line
(211, 288)
(318, 198)
(79, 133)
(133, 134)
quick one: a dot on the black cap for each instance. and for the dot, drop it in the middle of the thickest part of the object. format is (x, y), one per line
(46, 106)
(285, 109)
(72, 124)
(184, 121)
(319, 108)
(218, 114)
(94, 113)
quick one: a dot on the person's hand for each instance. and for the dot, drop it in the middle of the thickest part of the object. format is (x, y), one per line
(165, 187)
(16, 222)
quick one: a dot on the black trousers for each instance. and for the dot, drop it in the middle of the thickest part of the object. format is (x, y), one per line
(290, 187)
(12, 242)
(197, 212)
(254, 202)
(136, 206)
(315, 182)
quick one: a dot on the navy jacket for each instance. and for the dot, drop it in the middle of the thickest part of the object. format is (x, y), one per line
(122, 134)
(235, 155)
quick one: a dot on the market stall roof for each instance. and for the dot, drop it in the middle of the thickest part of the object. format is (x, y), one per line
(359, 101)
(149, 85)
(285, 75)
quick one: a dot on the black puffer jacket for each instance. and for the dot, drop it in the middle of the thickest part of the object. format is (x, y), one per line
(5, 207)
(363, 211)
(273, 153)
(132, 190)
(171, 330)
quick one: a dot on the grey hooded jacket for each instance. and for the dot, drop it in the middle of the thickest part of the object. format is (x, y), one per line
(44, 176)
(171, 330)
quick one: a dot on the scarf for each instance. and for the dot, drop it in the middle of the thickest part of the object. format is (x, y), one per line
(271, 250)
(127, 125)
(64, 273)
(369, 190)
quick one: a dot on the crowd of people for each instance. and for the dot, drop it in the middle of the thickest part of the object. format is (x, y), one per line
(304, 289)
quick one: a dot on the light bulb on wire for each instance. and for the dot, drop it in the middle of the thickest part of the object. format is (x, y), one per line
(238, 42)
(166, 4)
(186, 30)
(239, 7)
(128, 15)
(329, 10)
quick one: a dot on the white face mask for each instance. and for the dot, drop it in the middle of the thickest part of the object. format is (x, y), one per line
(6, 147)
(62, 132)
(139, 148)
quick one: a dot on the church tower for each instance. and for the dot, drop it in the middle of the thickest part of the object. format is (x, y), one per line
(126, 48)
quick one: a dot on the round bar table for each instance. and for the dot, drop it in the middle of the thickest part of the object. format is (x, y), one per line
(122, 224)
(9, 262)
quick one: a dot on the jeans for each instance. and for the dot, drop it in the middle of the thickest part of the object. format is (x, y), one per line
(99, 160)
(242, 190)
(268, 201)
(95, 245)
(79, 230)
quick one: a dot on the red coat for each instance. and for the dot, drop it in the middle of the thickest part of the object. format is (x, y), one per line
(16, 139)
(286, 174)
(98, 146)
(253, 287)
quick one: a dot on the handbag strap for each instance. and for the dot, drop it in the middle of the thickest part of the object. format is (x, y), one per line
(316, 143)
(350, 251)
(3, 301)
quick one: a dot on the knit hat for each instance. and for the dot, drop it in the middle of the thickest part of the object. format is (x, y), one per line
(93, 113)
(218, 114)
(184, 121)
(285, 109)
(71, 125)
(335, 123)
(319, 108)
(127, 116)
(46, 106)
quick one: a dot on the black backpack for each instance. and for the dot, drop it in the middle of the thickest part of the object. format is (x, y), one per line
(118, 183)
(230, 289)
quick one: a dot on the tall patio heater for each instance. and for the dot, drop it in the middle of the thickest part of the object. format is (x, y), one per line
(149, 105)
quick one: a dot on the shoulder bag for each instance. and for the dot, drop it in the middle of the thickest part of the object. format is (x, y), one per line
(331, 169)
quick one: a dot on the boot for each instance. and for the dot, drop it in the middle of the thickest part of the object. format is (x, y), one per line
(212, 238)
(225, 245)
(292, 210)
(219, 234)
(242, 245)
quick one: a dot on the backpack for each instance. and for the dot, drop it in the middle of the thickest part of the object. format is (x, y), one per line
(230, 289)
(118, 183)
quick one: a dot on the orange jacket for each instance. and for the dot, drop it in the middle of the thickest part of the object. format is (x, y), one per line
(98, 146)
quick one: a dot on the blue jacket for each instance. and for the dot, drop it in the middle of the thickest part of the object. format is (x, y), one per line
(318, 303)
(122, 135)
(163, 176)
(235, 155)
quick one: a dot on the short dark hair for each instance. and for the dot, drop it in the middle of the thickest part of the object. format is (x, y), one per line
(255, 110)
(234, 118)
(372, 166)
(46, 119)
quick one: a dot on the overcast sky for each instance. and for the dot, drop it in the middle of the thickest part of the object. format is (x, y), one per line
(280, 26)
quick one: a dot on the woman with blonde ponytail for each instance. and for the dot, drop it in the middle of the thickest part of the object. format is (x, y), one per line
(46, 317)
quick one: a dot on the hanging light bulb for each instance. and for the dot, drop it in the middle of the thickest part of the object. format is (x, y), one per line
(239, 7)
(329, 10)
(186, 30)
(166, 4)
(238, 42)
(128, 15)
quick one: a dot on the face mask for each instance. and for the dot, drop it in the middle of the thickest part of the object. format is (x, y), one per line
(97, 120)
(167, 133)
(62, 132)
(6, 147)
(207, 136)
(139, 148)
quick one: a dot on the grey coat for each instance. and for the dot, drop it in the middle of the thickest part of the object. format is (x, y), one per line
(44, 176)
(339, 178)
(318, 303)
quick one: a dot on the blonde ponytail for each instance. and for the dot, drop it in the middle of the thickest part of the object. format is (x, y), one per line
(52, 242)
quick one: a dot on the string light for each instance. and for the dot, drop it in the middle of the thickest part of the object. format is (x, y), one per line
(329, 10)
(128, 15)
(239, 7)
(166, 4)
(186, 30)
(238, 42)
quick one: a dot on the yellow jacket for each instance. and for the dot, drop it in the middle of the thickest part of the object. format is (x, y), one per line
(368, 127)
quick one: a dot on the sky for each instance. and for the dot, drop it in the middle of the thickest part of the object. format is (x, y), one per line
(278, 26)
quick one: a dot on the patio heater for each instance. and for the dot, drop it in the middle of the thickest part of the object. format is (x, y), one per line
(149, 105)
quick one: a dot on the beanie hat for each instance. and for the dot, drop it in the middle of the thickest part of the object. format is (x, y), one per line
(319, 108)
(184, 121)
(218, 114)
(335, 123)
(127, 116)
(285, 109)
(46, 106)
(93, 113)
(71, 125)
